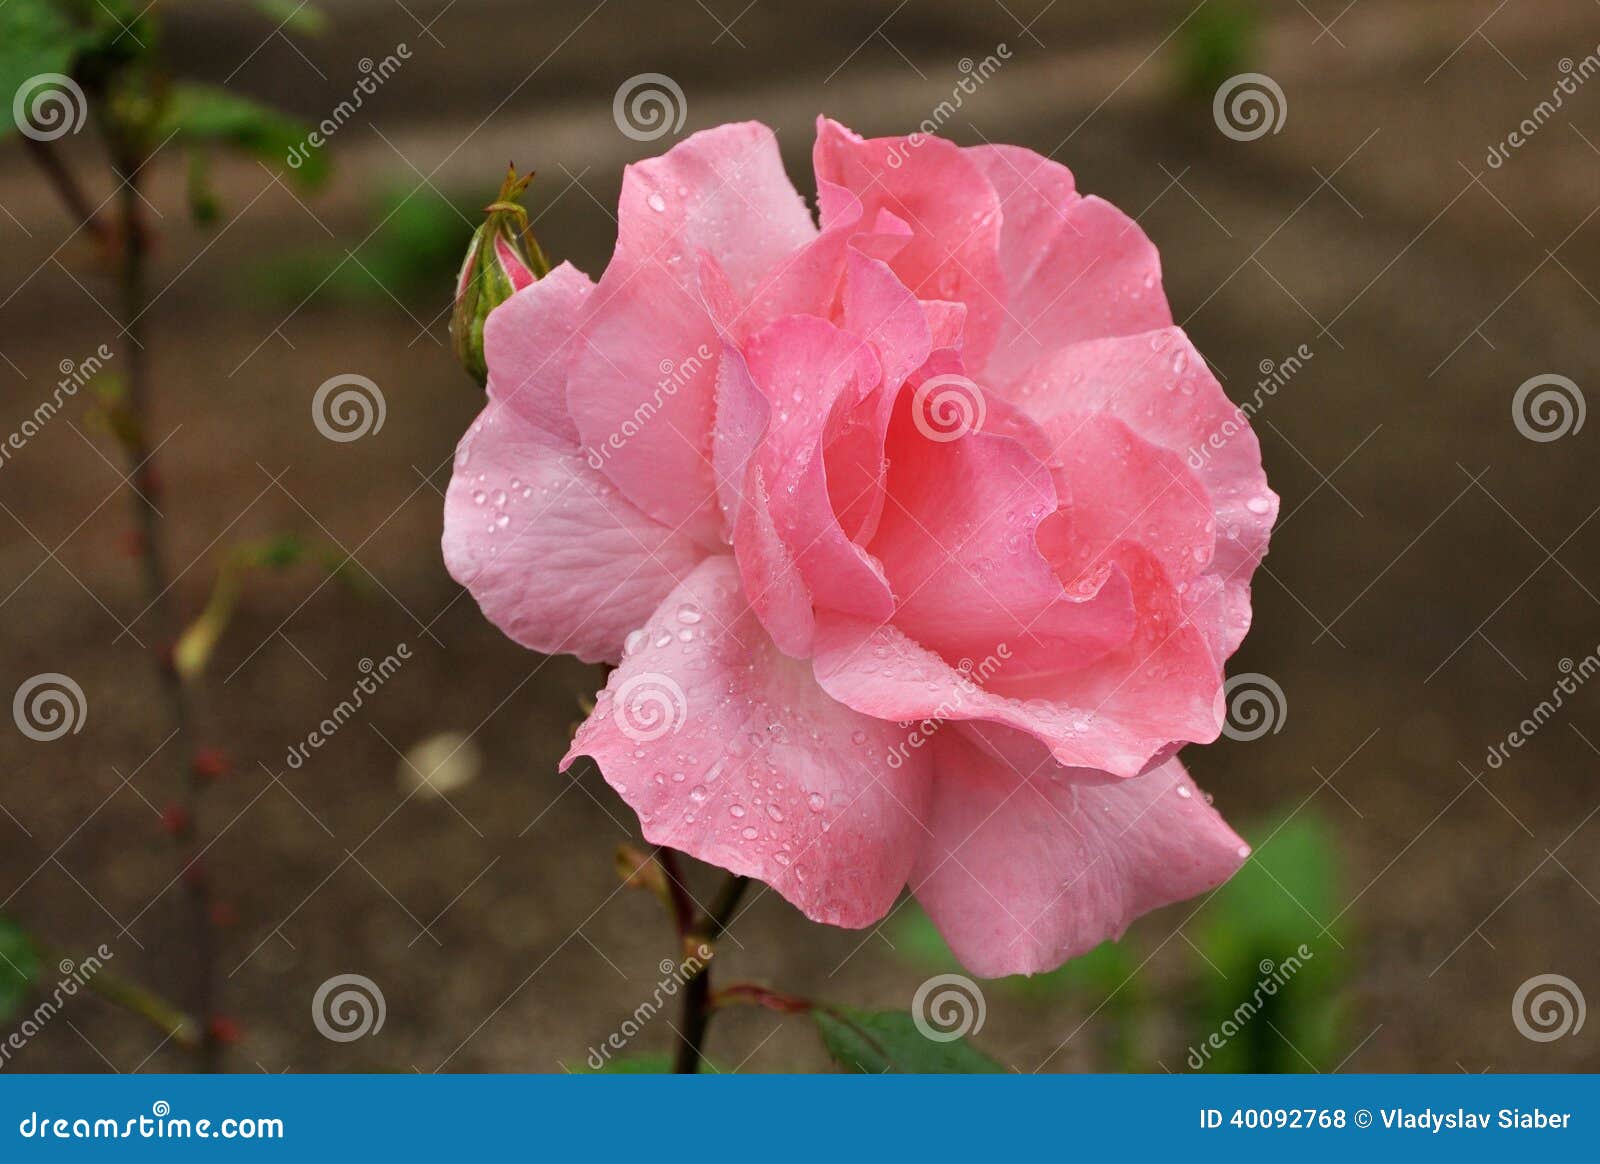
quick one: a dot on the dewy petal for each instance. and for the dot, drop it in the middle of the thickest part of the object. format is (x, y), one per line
(1028, 868)
(953, 212)
(553, 554)
(957, 540)
(556, 557)
(1162, 390)
(729, 751)
(802, 368)
(1074, 268)
(643, 387)
(528, 343)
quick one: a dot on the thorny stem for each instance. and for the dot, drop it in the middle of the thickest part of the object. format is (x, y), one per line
(697, 999)
(135, 437)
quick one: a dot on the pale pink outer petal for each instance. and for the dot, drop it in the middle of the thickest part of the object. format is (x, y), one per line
(528, 343)
(1027, 868)
(553, 554)
(641, 372)
(1074, 268)
(941, 194)
(729, 751)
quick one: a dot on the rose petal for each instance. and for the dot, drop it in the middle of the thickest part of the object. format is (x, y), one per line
(556, 557)
(1074, 268)
(729, 751)
(1027, 868)
(641, 374)
(952, 210)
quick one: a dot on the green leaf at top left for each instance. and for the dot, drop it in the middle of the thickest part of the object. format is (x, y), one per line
(38, 42)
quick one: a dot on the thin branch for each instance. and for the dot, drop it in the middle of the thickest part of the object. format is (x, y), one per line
(71, 194)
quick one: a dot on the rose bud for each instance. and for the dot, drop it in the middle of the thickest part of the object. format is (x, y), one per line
(502, 259)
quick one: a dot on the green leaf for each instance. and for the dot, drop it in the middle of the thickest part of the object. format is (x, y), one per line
(36, 38)
(19, 967)
(204, 113)
(876, 1041)
(295, 16)
(1272, 983)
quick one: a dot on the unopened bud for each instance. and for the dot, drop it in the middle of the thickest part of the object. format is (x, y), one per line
(502, 259)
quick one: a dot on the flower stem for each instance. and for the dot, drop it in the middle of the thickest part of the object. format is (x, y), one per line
(697, 999)
(127, 160)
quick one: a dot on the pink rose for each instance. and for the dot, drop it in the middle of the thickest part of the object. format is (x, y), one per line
(919, 539)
